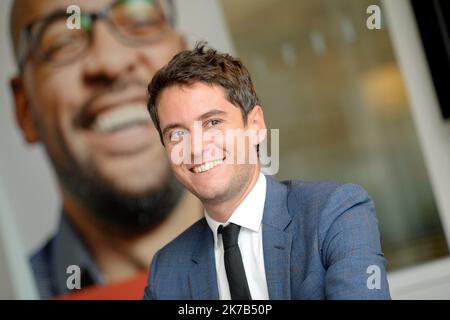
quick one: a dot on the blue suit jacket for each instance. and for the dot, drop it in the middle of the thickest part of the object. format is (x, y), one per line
(320, 240)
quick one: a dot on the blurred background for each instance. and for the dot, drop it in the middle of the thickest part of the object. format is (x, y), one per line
(352, 105)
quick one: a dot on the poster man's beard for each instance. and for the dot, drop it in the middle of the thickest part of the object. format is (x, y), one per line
(133, 212)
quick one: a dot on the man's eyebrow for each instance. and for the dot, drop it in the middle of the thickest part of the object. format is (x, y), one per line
(211, 113)
(204, 116)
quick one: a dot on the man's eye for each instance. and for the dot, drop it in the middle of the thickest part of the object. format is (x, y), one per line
(212, 123)
(177, 135)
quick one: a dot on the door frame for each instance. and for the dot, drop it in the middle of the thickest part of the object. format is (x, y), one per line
(430, 280)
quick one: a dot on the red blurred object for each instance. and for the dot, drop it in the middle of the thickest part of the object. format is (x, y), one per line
(131, 289)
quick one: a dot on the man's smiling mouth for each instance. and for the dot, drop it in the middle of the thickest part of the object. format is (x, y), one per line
(116, 119)
(207, 166)
(121, 128)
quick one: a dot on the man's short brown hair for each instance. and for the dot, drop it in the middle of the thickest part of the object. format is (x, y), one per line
(205, 65)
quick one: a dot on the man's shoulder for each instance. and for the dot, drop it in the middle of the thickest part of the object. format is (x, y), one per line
(41, 266)
(321, 192)
(184, 244)
(320, 203)
(40, 258)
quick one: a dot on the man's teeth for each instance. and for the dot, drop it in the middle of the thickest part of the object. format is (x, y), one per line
(121, 118)
(206, 166)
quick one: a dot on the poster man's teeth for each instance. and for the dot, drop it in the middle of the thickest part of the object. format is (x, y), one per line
(122, 117)
(207, 166)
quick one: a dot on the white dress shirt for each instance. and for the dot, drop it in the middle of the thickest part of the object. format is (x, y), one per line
(249, 216)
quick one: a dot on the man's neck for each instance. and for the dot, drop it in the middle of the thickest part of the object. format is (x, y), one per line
(120, 254)
(222, 211)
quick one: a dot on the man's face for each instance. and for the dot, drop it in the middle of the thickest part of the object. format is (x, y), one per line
(91, 114)
(218, 166)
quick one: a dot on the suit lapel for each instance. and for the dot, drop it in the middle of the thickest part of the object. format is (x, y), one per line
(276, 242)
(202, 276)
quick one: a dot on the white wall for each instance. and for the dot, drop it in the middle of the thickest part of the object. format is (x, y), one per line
(23, 169)
(16, 281)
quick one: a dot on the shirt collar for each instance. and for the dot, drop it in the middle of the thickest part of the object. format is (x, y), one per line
(249, 213)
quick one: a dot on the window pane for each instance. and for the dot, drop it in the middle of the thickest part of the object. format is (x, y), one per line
(334, 89)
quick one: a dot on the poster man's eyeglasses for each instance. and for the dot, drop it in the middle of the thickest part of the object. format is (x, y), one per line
(134, 22)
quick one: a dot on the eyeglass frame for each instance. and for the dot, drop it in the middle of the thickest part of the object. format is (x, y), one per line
(29, 43)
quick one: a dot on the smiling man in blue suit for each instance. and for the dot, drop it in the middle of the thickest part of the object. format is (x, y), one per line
(259, 239)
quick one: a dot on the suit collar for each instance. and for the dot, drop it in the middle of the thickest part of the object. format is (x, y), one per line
(249, 213)
(276, 212)
(277, 243)
(277, 247)
(202, 276)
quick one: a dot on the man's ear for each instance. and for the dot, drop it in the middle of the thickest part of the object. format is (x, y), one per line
(255, 121)
(23, 111)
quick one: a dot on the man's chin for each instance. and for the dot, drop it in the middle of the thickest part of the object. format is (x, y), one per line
(212, 196)
(137, 189)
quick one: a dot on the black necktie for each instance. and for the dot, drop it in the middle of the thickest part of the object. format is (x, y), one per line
(234, 267)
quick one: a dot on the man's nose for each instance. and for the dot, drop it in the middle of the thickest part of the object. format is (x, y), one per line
(201, 145)
(108, 59)
(197, 145)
